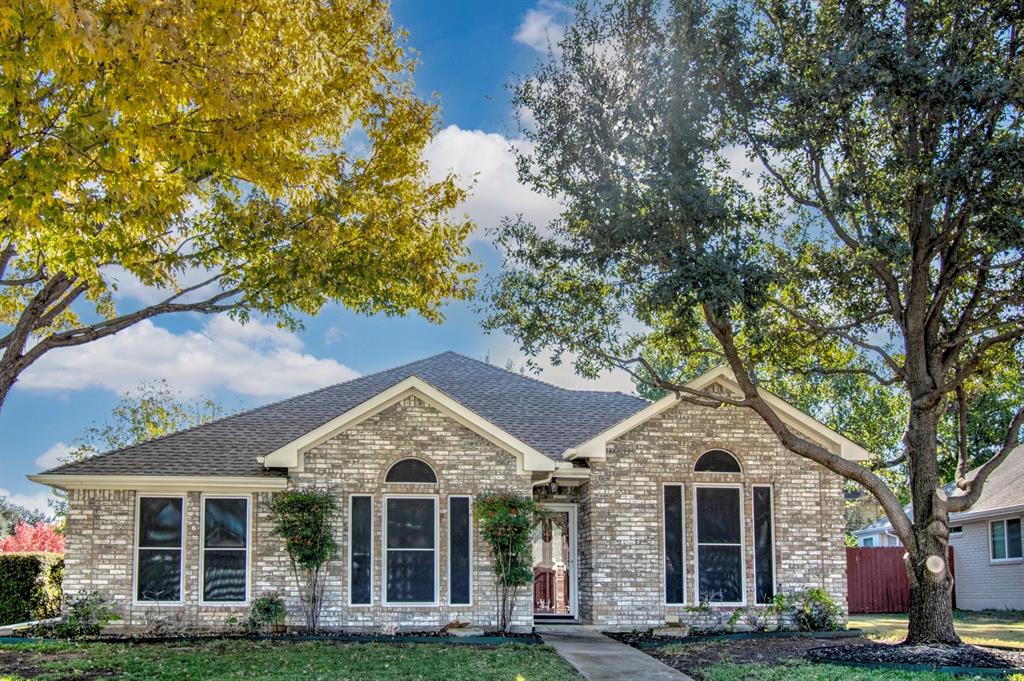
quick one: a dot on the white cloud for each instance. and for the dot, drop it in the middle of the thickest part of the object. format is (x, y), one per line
(254, 359)
(541, 28)
(34, 502)
(488, 159)
(54, 456)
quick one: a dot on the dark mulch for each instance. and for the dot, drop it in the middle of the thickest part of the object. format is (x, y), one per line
(26, 664)
(698, 657)
(933, 655)
(328, 636)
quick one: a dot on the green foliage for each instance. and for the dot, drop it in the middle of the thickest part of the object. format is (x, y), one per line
(302, 518)
(814, 610)
(506, 521)
(266, 611)
(11, 514)
(30, 586)
(84, 614)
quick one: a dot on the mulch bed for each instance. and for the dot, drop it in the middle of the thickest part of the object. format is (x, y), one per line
(27, 665)
(488, 638)
(697, 657)
(928, 655)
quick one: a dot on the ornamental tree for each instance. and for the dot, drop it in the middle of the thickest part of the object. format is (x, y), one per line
(884, 238)
(258, 158)
(302, 518)
(39, 538)
(506, 522)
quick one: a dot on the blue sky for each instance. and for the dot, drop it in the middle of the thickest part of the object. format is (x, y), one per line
(469, 51)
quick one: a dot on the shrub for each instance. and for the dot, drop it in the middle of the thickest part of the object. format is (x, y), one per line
(84, 614)
(30, 586)
(266, 611)
(506, 522)
(816, 611)
(38, 538)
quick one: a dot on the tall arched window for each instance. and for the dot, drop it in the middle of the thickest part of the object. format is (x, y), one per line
(411, 470)
(717, 461)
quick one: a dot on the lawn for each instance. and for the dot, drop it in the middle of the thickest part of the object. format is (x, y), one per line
(802, 671)
(989, 627)
(308, 661)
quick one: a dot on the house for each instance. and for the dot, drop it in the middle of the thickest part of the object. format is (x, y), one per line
(988, 555)
(655, 506)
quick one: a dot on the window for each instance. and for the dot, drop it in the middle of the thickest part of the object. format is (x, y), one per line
(956, 530)
(225, 549)
(460, 541)
(717, 461)
(764, 545)
(719, 544)
(410, 541)
(1006, 539)
(867, 542)
(361, 550)
(158, 548)
(411, 470)
(675, 545)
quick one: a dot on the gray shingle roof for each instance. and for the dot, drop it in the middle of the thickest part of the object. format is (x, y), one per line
(548, 418)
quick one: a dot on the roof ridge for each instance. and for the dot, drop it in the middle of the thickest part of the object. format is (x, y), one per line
(237, 414)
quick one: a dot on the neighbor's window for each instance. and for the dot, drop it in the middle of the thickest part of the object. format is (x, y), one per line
(225, 549)
(158, 549)
(675, 543)
(719, 544)
(410, 546)
(411, 470)
(717, 461)
(868, 542)
(956, 530)
(1006, 539)
(764, 545)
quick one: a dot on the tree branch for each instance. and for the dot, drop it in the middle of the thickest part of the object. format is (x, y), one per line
(972, 488)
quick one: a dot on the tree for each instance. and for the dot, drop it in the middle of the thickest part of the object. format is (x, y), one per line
(302, 518)
(257, 159)
(885, 240)
(38, 538)
(12, 515)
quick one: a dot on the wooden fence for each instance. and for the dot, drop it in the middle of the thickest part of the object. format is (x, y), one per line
(877, 579)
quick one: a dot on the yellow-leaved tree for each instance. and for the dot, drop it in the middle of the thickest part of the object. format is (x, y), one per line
(248, 156)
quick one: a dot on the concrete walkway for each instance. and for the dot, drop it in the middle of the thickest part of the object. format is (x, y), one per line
(599, 658)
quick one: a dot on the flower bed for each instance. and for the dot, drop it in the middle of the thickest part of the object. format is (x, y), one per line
(962, 659)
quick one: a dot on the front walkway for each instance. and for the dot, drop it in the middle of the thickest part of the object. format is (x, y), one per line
(600, 658)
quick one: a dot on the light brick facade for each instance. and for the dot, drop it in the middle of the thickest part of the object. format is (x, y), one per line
(619, 515)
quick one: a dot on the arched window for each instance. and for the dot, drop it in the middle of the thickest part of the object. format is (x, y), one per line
(411, 470)
(717, 461)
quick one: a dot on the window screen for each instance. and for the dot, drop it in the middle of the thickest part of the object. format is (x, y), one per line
(459, 548)
(225, 538)
(675, 583)
(719, 552)
(411, 470)
(764, 545)
(717, 461)
(411, 550)
(361, 550)
(158, 560)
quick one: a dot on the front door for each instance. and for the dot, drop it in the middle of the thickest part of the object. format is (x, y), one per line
(554, 563)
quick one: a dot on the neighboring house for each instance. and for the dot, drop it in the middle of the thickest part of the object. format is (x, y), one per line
(654, 506)
(988, 554)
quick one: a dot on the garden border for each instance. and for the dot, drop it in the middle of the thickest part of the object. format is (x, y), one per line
(482, 640)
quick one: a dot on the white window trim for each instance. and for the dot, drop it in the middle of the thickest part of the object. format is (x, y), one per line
(202, 549)
(181, 551)
(682, 534)
(351, 502)
(1006, 542)
(384, 553)
(696, 544)
(471, 535)
(753, 519)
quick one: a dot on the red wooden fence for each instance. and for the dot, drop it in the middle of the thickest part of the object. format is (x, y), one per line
(877, 579)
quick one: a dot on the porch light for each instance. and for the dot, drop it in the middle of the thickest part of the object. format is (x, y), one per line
(553, 486)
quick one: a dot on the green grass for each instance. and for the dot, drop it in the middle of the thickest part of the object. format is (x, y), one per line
(992, 627)
(802, 671)
(304, 661)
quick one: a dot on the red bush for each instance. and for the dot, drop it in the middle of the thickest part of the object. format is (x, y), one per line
(38, 538)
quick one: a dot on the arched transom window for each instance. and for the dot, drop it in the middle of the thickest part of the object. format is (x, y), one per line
(411, 470)
(717, 461)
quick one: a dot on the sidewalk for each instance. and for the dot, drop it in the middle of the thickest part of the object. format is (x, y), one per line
(599, 658)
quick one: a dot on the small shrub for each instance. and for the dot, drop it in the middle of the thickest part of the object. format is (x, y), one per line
(30, 586)
(816, 611)
(266, 611)
(84, 614)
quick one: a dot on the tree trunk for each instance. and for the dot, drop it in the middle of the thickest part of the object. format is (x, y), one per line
(931, 583)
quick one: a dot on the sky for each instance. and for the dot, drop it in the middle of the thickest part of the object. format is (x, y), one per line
(469, 51)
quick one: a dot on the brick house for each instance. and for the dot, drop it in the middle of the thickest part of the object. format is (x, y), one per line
(655, 507)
